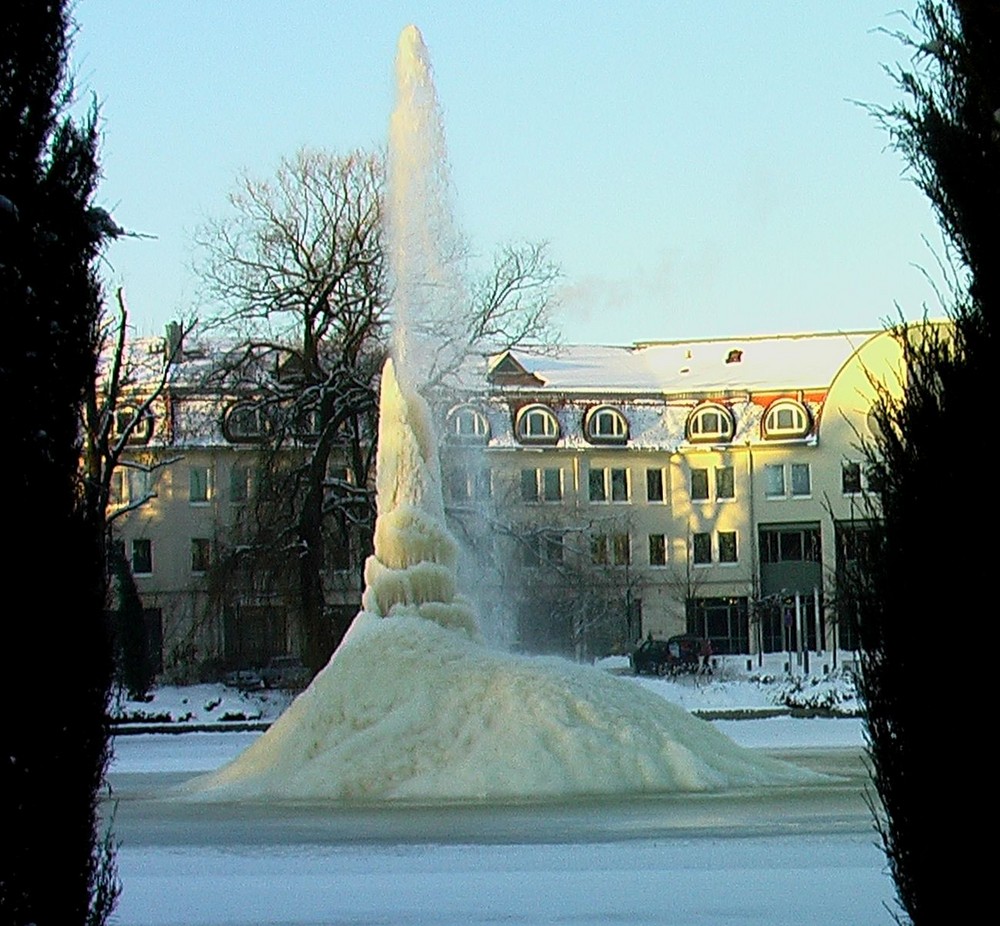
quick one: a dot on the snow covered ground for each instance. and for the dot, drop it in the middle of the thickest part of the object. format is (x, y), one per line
(730, 689)
(795, 856)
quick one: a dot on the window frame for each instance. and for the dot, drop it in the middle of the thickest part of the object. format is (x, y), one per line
(792, 490)
(657, 542)
(700, 490)
(244, 482)
(480, 432)
(207, 469)
(857, 483)
(600, 413)
(612, 550)
(698, 554)
(769, 490)
(731, 470)
(735, 547)
(792, 486)
(772, 430)
(540, 494)
(607, 479)
(134, 557)
(139, 484)
(235, 433)
(697, 435)
(142, 430)
(551, 431)
(661, 479)
(201, 554)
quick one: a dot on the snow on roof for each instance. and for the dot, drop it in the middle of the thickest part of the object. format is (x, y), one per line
(754, 363)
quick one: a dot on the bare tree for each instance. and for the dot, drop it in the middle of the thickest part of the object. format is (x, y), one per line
(297, 273)
(568, 584)
(117, 411)
(117, 408)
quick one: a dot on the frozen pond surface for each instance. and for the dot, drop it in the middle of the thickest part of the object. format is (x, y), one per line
(795, 856)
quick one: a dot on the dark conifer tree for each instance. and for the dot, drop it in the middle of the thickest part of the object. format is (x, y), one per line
(58, 867)
(923, 592)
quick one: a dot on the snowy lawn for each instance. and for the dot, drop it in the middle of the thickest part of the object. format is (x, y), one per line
(726, 691)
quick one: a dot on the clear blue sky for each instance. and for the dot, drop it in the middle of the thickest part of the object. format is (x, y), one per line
(698, 167)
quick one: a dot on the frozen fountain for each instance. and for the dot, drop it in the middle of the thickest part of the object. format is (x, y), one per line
(412, 706)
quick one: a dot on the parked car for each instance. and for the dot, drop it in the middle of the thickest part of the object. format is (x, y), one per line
(651, 657)
(244, 679)
(685, 651)
(285, 672)
(678, 654)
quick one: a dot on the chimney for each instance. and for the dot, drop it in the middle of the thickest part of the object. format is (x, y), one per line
(174, 347)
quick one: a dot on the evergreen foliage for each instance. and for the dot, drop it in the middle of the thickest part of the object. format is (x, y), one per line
(50, 237)
(133, 667)
(922, 564)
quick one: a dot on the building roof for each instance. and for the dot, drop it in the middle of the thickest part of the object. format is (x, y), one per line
(753, 363)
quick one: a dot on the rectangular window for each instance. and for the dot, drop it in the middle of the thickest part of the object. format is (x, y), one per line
(201, 555)
(801, 481)
(117, 491)
(552, 549)
(701, 546)
(138, 486)
(774, 480)
(552, 484)
(459, 486)
(725, 482)
(621, 549)
(727, 546)
(599, 550)
(790, 545)
(542, 550)
(607, 483)
(239, 485)
(699, 485)
(654, 485)
(606, 550)
(201, 485)
(657, 550)
(142, 557)
(529, 485)
(850, 478)
(598, 493)
(484, 484)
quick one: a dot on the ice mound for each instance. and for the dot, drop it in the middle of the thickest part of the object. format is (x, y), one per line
(409, 710)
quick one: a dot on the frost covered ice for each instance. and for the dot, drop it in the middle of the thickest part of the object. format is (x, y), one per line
(413, 707)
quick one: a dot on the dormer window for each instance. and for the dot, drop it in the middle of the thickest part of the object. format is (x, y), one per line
(786, 419)
(710, 423)
(605, 425)
(127, 417)
(537, 424)
(245, 424)
(468, 424)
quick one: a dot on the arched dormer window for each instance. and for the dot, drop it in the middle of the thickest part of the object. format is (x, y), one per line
(468, 424)
(125, 422)
(786, 419)
(245, 423)
(537, 424)
(605, 425)
(710, 423)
